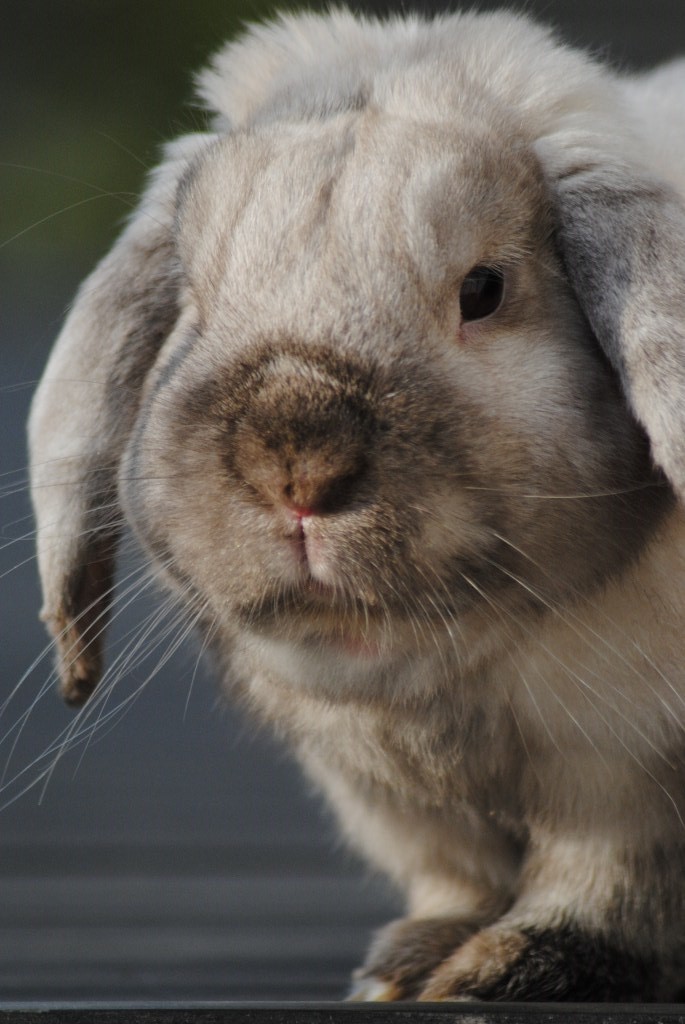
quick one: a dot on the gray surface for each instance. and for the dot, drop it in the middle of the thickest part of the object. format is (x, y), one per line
(178, 855)
(233, 925)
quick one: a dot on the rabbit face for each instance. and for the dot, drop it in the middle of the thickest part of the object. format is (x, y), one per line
(330, 453)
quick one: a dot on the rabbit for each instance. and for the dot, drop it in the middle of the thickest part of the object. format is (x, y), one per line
(386, 373)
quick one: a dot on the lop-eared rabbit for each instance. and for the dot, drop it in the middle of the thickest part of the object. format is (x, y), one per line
(387, 375)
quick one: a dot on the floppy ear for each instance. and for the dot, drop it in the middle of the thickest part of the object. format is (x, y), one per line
(622, 238)
(82, 414)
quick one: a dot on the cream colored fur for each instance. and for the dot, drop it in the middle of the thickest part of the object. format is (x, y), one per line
(519, 771)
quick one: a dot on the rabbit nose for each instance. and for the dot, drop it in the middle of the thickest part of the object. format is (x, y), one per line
(310, 480)
(304, 451)
(304, 437)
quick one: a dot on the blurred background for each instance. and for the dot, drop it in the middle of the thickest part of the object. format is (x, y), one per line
(174, 853)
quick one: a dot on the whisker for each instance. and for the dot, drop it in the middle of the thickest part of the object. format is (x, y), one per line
(16, 386)
(505, 615)
(19, 724)
(206, 641)
(133, 655)
(64, 177)
(17, 565)
(631, 753)
(571, 496)
(79, 731)
(124, 149)
(569, 617)
(124, 196)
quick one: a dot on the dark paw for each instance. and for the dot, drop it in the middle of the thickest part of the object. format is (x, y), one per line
(404, 954)
(554, 965)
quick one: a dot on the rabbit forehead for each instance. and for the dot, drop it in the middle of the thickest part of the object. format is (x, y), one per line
(371, 194)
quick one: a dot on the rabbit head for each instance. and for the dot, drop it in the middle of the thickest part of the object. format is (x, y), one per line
(403, 334)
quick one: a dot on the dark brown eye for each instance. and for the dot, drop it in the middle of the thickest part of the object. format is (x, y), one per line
(481, 293)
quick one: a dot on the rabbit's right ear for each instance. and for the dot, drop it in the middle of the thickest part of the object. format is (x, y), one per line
(82, 415)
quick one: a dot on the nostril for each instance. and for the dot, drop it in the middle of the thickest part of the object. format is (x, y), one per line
(318, 485)
(340, 490)
(292, 498)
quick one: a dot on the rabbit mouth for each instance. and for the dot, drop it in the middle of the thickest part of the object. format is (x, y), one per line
(311, 602)
(319, 626)
(366, 626)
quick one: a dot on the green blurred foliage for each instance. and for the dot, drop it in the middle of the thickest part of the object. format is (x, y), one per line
(92, 88)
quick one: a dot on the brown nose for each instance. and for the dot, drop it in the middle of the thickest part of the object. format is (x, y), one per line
(307, 481)
(304, 443)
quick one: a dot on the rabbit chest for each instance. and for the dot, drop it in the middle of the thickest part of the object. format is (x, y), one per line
(448, 754)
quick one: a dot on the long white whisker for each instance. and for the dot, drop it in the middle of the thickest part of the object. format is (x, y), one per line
(583, 629)
(64, 209)
(631, 753)
(206, 641)
(132, 655)
(504, 614)
(18, 726)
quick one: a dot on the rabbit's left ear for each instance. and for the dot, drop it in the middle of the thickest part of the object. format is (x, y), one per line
(622, 239)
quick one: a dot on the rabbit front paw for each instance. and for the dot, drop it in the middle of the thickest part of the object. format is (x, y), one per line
(564, 964)
(403, 956)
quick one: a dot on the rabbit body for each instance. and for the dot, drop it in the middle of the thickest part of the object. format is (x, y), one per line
(441, 554)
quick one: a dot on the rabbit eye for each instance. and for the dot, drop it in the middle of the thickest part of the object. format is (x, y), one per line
(481, 293)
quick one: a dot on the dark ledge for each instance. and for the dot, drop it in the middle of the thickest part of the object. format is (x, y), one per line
(340, 1013)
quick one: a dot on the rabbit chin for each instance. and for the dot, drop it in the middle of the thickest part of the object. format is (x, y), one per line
(346, 668)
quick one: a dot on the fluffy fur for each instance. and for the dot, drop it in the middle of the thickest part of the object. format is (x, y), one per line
(442, 556)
